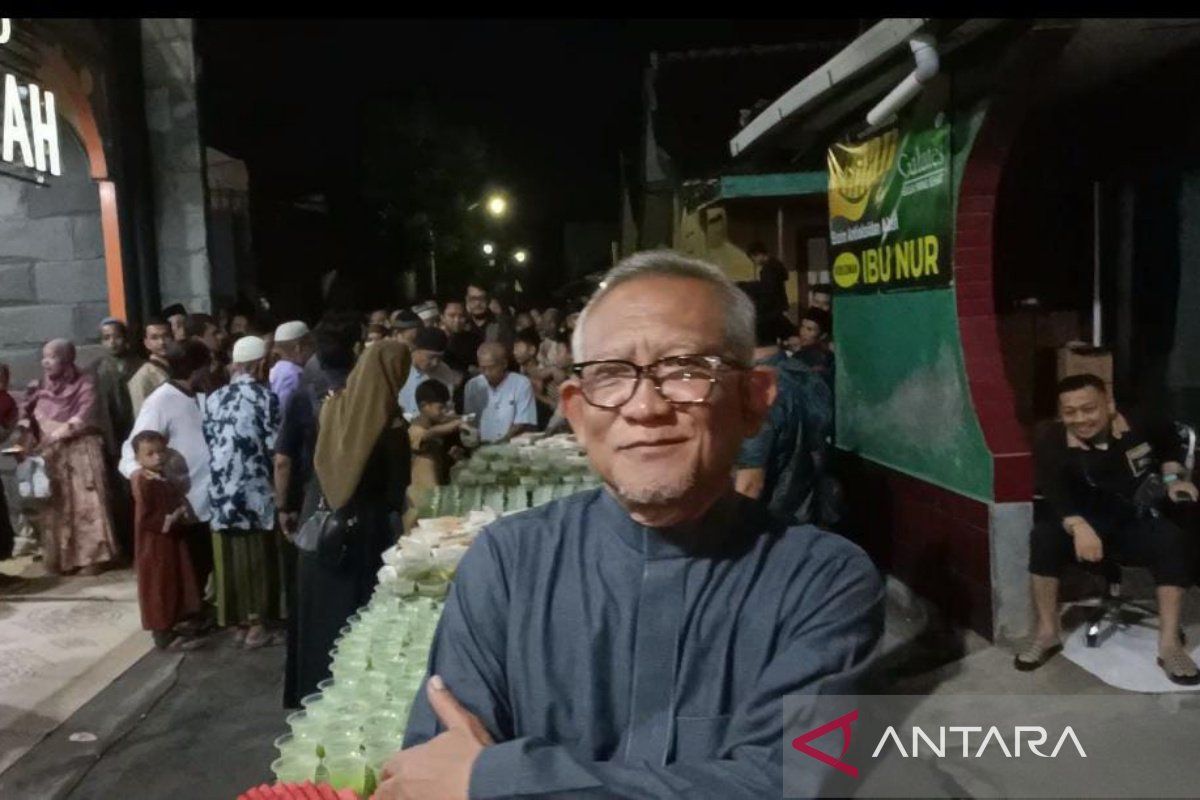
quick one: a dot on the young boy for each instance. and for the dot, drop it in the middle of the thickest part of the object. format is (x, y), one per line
(167, 589)
(433, 436)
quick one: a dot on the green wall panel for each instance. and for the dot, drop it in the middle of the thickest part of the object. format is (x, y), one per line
(902, 394)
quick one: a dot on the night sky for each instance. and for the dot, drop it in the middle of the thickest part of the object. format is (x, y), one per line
(553, 100)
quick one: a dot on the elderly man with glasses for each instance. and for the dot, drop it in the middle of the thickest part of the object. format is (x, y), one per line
(638, 640)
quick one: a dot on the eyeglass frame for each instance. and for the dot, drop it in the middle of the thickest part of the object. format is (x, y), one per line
(644, 371)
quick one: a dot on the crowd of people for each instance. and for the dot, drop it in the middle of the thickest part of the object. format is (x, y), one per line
(203, 447)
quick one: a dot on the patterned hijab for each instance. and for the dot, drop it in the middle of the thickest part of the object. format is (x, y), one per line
(68, 395)
(353, 420)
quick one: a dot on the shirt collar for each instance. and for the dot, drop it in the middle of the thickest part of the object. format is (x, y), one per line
(705, 537)
(242, 377)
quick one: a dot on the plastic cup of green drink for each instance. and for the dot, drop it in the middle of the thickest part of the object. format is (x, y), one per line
(306, 739)
(384, 720)
(352, 650)
(295, 768)
(380, 748)
(352, 706)
(347, 771)
(300, 721)
(348, 671)
(291, 745)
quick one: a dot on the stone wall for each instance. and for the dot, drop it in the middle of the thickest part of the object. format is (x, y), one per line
(169, 68)
(52, 278)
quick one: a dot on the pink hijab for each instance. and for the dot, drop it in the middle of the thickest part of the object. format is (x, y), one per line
(70, 394)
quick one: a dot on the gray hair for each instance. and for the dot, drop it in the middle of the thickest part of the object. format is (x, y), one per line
(497, 349)
(738, 307)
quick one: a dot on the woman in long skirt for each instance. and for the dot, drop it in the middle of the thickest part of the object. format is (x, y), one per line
(59, 424)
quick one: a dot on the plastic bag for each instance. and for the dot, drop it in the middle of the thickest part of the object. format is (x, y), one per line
(33, 483)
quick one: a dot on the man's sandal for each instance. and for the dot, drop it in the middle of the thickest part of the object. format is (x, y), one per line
(1035, 655)
(255, 641)
(1180, 668)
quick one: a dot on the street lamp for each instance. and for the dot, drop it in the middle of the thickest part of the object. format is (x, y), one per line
(520, 255)
(488, 248)
(497, 205)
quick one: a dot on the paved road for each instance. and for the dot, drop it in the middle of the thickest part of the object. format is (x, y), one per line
(195, 726)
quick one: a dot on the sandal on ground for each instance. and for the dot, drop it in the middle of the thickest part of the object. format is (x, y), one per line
(255, 641)
(1180, 668)
(239, 636)
(1035, 655)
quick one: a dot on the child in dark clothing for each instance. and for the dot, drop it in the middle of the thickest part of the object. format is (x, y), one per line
(167, 589)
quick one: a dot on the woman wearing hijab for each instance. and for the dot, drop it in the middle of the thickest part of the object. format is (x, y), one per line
(60, 425)
(362, 469)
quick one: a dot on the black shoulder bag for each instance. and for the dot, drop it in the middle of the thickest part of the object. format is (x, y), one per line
(327, 532)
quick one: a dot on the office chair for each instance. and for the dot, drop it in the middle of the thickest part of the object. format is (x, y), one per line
(1116, 611)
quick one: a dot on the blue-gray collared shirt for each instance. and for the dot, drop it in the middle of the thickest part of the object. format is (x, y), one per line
(607, 658)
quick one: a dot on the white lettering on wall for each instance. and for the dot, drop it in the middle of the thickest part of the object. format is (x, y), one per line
(15, 132)
(45, 130)
(40, 152)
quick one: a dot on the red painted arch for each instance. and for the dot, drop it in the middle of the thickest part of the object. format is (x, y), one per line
(73, 102)
(974, 253)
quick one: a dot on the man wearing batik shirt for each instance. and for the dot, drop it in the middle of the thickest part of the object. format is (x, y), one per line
(241, 421)
(639, 640)
(782, 464)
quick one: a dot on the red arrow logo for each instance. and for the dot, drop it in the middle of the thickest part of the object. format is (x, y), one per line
(801, 743)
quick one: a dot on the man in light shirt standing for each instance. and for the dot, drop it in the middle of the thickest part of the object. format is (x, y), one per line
(294, 345)
(502, 401)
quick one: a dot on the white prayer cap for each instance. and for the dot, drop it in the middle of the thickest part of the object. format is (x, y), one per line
(426, 311)
(249, 348)
(290, 331)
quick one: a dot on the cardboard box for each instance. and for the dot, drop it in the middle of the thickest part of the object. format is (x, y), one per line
(1077, 359)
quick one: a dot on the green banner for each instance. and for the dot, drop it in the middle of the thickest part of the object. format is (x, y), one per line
(889, 211)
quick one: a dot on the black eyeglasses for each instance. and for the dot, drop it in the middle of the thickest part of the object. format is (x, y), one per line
(683, 380)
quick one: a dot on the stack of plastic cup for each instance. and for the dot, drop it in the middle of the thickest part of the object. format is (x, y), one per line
(296, 768)
(356, 720)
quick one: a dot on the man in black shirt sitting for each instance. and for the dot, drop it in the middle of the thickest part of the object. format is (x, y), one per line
(1098, 475)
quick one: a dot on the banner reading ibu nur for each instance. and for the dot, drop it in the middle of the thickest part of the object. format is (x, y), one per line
(889, 211)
